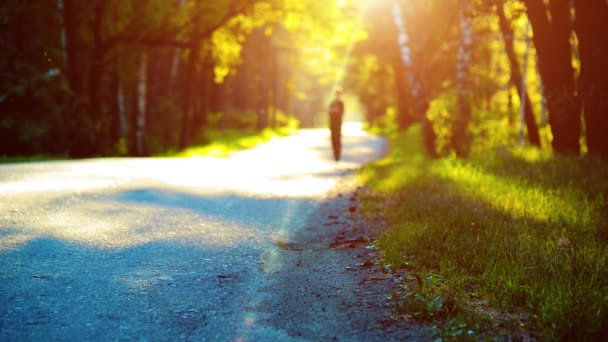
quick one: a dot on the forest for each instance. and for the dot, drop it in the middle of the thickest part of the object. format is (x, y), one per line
(493, 194)
(141, 77)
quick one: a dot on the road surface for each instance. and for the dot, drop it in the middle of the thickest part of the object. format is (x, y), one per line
(185, 249)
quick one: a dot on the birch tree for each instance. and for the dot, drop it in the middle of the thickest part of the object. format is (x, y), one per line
(517, 77)
(460, 137)
(421, 93)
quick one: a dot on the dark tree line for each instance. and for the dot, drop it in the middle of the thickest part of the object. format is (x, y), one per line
(103, 77)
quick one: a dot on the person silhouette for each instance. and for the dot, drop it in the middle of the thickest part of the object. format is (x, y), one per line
(336, 113)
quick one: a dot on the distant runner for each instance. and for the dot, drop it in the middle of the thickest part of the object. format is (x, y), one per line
(336, 112)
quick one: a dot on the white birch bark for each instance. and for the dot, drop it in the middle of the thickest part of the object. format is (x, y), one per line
(460, 140)
(176, 55)
(464, 49)
(404, 48)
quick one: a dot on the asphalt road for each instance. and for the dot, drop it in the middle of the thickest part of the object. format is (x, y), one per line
(199, 249)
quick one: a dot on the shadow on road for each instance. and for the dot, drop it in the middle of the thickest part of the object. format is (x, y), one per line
(124, 249)
(57, 290)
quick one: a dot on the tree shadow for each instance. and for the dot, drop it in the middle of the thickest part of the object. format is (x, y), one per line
(191, 278)
(268, 212)
(524, 262)
(57, 290)
(587, 174)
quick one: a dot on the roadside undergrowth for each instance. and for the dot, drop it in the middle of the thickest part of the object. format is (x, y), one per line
(28, 159)
(213, 143)
(510, 240)
(221, 143)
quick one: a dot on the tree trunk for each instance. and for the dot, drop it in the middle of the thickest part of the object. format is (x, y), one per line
(591, 27)
(516, 76)
(81, 127)
(63, 35)
(552, 41)
(116, 110)
(404, 117)
(96, 68)
(405, 50)
(73, 46)
(274, 74)
(419, 94)
(274, 82)
(131, 106)
(187, 109)
(460, 137)
(140, 122)
(205, 78)
(175, 63)
(122, 109)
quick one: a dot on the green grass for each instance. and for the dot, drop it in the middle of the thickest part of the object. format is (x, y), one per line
(516, 236)
(224, 142)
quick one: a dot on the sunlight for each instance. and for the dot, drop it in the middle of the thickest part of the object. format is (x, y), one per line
(280, 173)
(273, 175)
(511, 196)
(111, 203)
(106, 223)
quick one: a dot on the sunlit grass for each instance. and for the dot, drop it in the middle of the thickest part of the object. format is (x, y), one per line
(224, 142)
(520, 229)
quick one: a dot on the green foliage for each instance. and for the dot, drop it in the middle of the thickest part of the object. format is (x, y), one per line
(229, 132)
(521, 229)
(386, 124)
(440, 113)
(221, 143)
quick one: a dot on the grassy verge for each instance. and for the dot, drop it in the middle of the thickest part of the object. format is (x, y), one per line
(515, 238)
(222, 143)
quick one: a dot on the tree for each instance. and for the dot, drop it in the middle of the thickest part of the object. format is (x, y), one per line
(591, 27)
(33, 89)
(516, 75)
(422, 35)
(460, 137)
(551, 23)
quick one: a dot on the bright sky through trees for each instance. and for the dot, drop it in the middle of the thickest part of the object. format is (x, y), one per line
(142, 77)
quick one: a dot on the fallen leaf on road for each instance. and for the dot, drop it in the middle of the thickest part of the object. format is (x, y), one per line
(332, 223)
(42, 276)
(382, 276)
(288, 246)
(348, 244)
(367, 263)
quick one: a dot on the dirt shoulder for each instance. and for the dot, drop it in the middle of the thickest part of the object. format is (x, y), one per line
(330, 288)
